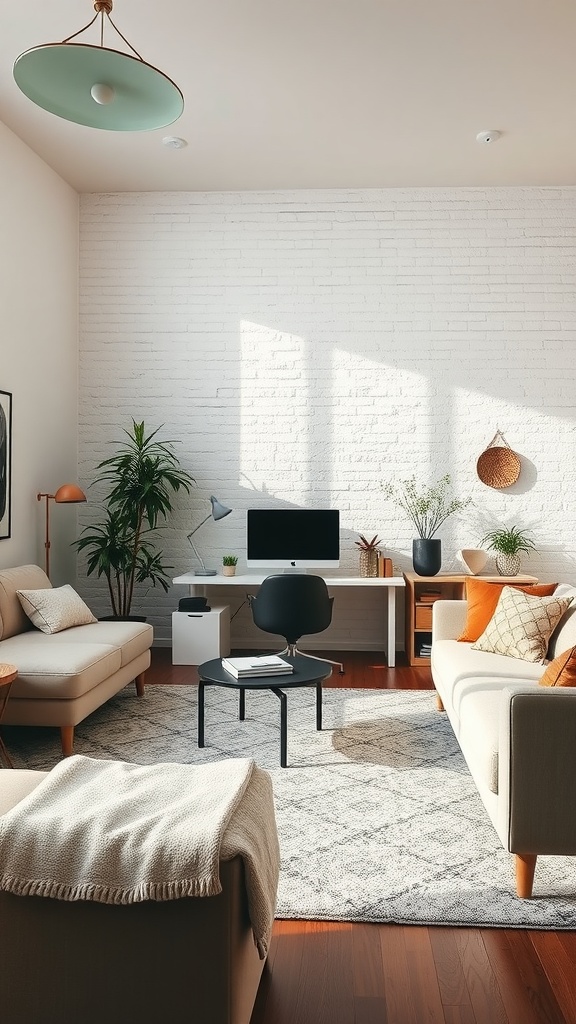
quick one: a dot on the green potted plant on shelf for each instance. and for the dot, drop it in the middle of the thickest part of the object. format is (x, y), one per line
(229, 563)
(142, 478)
(508, 542)
(428, 507)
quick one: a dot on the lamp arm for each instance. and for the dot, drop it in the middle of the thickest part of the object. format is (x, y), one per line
(192, 544)
(196, 552)
(188, 535)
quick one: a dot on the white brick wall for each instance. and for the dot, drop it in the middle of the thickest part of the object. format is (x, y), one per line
(306, 346)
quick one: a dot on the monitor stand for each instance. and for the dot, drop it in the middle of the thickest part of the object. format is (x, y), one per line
(293, 570)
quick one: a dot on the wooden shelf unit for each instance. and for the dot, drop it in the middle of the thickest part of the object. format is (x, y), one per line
(449, 587)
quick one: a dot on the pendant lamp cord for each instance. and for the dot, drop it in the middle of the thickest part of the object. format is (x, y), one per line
(100, 13)
(81, 30)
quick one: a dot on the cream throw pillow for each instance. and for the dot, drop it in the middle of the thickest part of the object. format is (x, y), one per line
(55, 609)
(522, 625)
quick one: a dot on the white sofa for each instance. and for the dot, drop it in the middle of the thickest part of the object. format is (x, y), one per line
(63, 677)
(518, 738)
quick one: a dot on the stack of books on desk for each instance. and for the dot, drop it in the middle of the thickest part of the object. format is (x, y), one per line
(265, 665)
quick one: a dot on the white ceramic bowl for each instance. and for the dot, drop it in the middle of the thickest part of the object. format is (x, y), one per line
(473, 559)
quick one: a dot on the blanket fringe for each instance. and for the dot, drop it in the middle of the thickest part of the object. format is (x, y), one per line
(154, 891)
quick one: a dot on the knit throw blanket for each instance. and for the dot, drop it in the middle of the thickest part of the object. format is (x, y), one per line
(116, 832)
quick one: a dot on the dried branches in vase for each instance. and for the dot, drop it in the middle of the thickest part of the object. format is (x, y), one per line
(427, 507)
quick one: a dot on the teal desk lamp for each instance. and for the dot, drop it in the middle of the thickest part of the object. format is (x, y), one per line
(218, 511)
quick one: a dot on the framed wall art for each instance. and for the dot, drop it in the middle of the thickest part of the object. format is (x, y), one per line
(5, 462)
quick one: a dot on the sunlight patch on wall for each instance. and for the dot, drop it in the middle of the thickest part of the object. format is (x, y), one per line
(387, 401)
(276, 413)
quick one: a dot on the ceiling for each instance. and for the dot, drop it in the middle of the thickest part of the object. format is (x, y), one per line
(320, 93)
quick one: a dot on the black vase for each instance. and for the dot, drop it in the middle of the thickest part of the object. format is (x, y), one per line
(427, 556)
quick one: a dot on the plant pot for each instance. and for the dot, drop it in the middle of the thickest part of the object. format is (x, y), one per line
(228, 570)
(427, 556)
(507, 565)
(369, 563)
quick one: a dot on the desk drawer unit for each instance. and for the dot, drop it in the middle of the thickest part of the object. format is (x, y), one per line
(200, 636)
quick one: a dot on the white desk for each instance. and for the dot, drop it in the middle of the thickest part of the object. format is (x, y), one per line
(390, 583)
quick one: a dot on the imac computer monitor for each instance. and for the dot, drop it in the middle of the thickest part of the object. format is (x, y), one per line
(292, 538)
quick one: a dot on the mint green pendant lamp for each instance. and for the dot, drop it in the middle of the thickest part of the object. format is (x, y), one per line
(97, 86)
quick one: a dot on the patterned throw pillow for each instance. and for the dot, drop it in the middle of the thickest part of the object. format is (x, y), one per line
(561, 671)
(55, 609)
(482, 598)
(522, 625)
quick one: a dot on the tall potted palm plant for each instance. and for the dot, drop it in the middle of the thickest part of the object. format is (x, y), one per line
(142, 477)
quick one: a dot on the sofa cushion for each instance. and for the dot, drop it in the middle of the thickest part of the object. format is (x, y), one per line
(478, 731)
(62, 671)
(564, 636)
(16, 785)
(482, 598)
(13, 619)
(55, 609)
(131, 638)
(522, 625)
(561, 671)
(452, 660)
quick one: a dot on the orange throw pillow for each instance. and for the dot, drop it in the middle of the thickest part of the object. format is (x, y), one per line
(561, 671)
(482, 598)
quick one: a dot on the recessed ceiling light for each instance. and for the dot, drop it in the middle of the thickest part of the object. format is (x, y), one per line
(490, 136)
(173, 142)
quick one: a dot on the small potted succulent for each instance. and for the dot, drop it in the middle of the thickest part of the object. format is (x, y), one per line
(368, 555)
(508, 542)
(229, 563)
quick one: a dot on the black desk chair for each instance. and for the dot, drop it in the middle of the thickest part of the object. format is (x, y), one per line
(293, 605)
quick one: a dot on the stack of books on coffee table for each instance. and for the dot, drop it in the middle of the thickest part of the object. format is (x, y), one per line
(265, 665)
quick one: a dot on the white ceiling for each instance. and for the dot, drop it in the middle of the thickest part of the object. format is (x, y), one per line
(320, 93)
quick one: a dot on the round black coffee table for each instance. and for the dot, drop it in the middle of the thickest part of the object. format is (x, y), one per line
(307, 672)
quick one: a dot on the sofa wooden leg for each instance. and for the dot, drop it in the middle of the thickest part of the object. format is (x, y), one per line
(525, 868)
(439, 703)
(67, 740)
(140, 684)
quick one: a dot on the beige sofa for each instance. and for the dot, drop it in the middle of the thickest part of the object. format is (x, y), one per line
(184, 961)
(63, 677)
(518, 738)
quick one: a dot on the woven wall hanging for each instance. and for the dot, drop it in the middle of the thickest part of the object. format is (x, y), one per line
(498, 466)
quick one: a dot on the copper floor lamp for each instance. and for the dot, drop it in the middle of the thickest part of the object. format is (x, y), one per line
(67, 494)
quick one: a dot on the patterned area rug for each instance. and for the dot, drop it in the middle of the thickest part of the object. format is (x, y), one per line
(378, 817)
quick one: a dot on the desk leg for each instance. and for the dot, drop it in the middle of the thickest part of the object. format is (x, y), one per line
(319, 706)
(392, 626)
(200, 714)
(241, 705)
(283, 725)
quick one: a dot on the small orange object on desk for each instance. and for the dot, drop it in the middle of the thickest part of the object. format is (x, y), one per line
(8, 674)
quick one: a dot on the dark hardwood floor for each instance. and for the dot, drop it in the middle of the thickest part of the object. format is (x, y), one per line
(338, 973)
